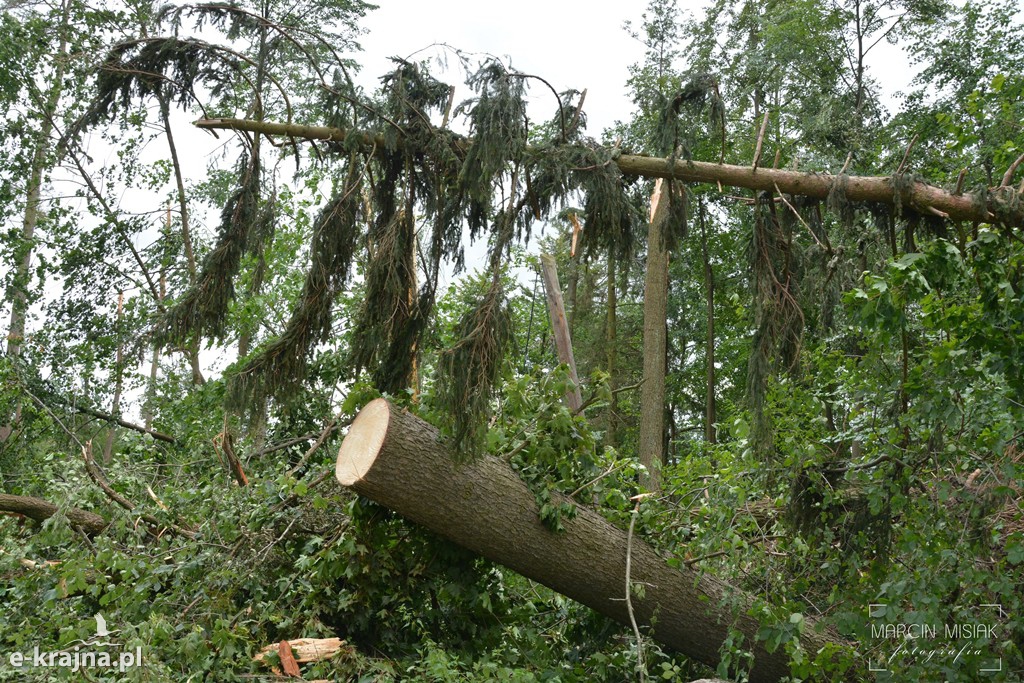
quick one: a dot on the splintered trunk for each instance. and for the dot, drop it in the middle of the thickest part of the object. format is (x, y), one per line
(572, 292)
(651, 447)
(560, 329)
(399, 461)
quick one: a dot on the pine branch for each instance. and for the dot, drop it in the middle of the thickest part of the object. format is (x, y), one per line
(1000, 205)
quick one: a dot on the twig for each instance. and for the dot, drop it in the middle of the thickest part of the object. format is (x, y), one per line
(719, 553)
(107, 417)
(610, 470)
(760, 141)
(96, 474)
(863, 466)
(695, 560)
(799, 217)
(1008, 177)
(906, 155)
(561, 110)
(846, 164)
(960, 182)
(640, 668)
(290, 500)
(331, 426)
(593, 398)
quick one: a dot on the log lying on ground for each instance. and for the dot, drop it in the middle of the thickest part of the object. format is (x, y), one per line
(1002, 204)
(399, 461)
(41, 510)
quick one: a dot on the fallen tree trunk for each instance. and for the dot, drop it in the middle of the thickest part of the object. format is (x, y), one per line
(399, 461)
(41, 510)
(1002, 204)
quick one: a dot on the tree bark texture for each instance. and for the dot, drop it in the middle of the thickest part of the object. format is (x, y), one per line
(651, 446)
(1000, 204)
(399, 461)
(41, 510)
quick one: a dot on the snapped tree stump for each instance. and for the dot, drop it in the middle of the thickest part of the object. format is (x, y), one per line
(398, 460)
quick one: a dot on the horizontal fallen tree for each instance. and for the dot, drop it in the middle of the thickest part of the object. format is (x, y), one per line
(398, 460)
(41, 510)
(1002, 204)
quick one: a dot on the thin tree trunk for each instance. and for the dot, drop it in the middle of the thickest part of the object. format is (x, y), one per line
(115, 409)
(710, 416)
(192, 349)
(651, 447)
(154, 365)
(611, 341)
(18, 293)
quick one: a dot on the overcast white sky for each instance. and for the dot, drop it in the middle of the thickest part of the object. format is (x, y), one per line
(570, 43)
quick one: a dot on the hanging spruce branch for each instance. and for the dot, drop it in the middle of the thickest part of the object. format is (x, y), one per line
(498, 127)
(470, 370)
(202, 309)
(679, 118)
(388, 306)
(138, 69)
(280, 368)
(679, 126)
(418, 175)
(610, 218)
(778, 316)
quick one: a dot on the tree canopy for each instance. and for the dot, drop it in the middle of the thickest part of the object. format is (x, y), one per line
(799, 356)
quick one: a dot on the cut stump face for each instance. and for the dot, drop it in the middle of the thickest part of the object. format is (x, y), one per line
(363, 442)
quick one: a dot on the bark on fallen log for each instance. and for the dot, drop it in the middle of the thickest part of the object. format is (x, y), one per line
(399, 461)
(41, 510)
(1002, 204)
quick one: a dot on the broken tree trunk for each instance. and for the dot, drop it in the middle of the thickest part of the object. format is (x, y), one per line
(651, 437)
(399, 461)
(1000, 204)
(41, 510)
(560, 329)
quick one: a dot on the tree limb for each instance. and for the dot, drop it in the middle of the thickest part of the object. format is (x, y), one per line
(41, 510)
(877, 189)
(159, 436)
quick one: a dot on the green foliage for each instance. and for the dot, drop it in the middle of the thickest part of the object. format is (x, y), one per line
(202, 309)
(868, 360)
(280, 368)
(469, 370)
